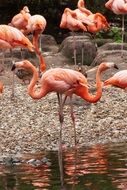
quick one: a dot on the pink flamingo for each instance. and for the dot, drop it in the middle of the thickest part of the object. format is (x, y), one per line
(74, 20)
(64, 82)
(118, 7)
(119, 79)
(97, 20)
(20, 20)
(11, 37)
(82, 19)
(36, 25)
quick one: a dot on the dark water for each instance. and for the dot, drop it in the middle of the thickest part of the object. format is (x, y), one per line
(99, 167)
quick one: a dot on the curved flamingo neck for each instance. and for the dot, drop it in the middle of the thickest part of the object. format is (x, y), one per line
(31, 88)
(81, 7)
(41, 59)
(84, 92)
(68, 11)
(1, 87)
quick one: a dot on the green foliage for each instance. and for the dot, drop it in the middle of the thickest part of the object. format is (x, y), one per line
(115, 33)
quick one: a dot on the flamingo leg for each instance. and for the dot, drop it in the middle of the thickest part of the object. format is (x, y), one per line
(40, 47)
(72, 115)
(122, 35)
(61, 118)
(21, 50)
(82, 55)
(13, 84)
(13, 76)
(74, 49)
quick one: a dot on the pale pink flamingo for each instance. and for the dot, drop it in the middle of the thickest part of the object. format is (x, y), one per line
(20, 20)
(118, 7)
(36, 25)
(64, 82)
(119, 79)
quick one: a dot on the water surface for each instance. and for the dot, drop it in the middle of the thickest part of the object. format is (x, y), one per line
(99, 167)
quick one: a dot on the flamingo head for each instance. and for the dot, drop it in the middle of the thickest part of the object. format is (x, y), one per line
(102, 19)
(25, 64)
(80, 3)
(26, 9)
(107, 65)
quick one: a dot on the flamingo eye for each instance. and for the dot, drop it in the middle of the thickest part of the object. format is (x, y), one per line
(76, 83)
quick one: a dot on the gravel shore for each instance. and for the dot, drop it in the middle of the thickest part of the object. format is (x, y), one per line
(28, 125)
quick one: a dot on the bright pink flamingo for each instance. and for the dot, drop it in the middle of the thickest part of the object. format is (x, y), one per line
(97, 20)
(100, 23)
(118, 7)
(63, 81)
(119, 80)
(74, 20)
(11, 37)
(82, 19)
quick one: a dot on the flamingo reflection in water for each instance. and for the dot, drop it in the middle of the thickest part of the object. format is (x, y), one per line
(78, 163)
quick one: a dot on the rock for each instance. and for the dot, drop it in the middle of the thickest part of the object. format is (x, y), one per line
(82, 41)
(101, 42)
(111, 52)
(112, 46)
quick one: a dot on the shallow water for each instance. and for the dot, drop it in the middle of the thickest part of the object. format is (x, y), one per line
(99, 167)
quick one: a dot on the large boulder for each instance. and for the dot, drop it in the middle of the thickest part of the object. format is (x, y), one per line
(84, 43)
(111, 52)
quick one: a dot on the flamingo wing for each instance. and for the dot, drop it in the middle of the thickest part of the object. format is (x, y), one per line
(62, 80)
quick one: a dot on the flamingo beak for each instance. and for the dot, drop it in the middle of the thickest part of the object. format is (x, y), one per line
(116, 67)
(13, 67)
(84, 85)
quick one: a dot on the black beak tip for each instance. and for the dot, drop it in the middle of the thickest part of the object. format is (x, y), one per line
(116, 67)
(13, 67)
